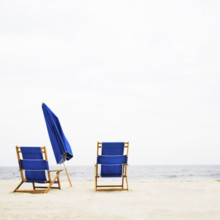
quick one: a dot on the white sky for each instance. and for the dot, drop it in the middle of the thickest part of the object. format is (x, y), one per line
(147, 72)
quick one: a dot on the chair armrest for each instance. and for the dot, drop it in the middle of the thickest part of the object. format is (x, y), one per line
(55, 170)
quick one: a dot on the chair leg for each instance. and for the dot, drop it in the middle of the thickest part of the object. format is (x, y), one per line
(56, 177)
(122, 182)
(33, 186)
(18, 186)
(58, 181)
(96, 173)
(127, 183)
(95, 183)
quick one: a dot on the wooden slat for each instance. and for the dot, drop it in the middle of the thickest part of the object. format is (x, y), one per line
(44, 152)
(45, 187)
(109, 186)
(111, 189)
(60, 170)
(31, 191)
(19, 161)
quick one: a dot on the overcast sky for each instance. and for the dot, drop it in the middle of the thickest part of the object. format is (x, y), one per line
(147, 72)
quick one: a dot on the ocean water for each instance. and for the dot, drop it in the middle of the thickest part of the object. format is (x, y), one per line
(199, 172)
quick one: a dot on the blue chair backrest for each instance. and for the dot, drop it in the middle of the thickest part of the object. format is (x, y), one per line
(112, 159)
(34, 164)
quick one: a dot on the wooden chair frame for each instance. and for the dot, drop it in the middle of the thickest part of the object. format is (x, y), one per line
(124, 175)
(35, 188)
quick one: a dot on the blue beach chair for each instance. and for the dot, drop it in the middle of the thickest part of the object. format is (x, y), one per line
(33, 168)
(112, 160)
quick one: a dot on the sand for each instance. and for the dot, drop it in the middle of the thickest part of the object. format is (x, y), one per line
(179, 200)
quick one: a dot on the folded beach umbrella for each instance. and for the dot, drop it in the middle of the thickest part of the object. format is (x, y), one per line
(61, 147)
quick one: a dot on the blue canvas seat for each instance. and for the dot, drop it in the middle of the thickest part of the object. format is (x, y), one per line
(34, 168)
(112, 160)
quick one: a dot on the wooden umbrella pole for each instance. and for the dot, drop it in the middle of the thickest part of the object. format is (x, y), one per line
(67, 175)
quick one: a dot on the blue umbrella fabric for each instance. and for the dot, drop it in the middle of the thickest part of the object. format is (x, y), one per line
(61, 147)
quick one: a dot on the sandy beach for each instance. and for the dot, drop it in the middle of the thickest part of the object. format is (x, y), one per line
(179, 200)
